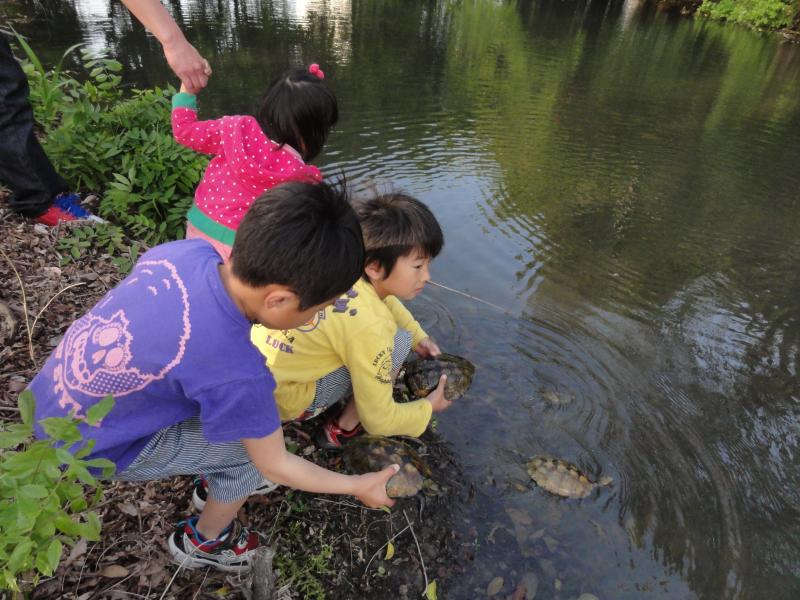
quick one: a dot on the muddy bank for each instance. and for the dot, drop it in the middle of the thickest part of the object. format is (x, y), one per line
(326, 546)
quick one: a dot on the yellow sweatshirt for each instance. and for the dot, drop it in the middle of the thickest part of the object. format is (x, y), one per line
(357, 333)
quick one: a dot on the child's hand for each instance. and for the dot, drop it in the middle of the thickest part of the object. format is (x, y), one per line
(372, 487)
(436, 397)
(427, 348)
(188, 89)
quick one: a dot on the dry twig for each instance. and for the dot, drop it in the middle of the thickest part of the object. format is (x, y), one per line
(421, 560)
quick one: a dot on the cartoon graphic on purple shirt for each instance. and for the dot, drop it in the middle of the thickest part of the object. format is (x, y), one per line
(97, 356)
(169, 344)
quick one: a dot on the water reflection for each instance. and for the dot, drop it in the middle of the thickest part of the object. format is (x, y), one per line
(625, 185)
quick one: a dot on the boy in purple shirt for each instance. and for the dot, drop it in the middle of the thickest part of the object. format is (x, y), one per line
(171, 343)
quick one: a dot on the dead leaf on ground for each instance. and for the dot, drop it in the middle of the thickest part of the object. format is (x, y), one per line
(114, 572)
(495, 585)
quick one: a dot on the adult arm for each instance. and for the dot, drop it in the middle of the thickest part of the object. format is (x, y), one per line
(181, 56)
(270, 457)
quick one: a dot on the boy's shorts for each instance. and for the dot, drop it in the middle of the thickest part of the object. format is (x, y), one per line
(337, 384)
(182, 449)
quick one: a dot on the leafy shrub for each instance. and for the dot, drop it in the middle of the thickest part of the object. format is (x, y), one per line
(774, 14)
(101, 238)
(43, 492)
(100, 140)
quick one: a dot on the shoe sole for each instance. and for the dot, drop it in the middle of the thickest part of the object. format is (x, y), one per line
(188, 561)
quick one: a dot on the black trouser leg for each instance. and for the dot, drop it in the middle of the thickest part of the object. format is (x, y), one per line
(24, 167)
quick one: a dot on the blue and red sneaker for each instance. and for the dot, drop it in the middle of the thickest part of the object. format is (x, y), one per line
(232, 551)
(66, 207)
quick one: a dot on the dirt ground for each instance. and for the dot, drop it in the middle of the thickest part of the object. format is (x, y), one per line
(326, 546)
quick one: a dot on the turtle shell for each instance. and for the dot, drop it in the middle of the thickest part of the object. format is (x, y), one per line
(561, 477)
(422, 376)
(368, 453)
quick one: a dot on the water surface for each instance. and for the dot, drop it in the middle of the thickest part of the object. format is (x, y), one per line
(625, 186)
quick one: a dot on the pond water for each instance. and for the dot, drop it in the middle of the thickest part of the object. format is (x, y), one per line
(624, 187)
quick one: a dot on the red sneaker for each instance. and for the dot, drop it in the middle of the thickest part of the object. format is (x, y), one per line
(53, 215)
(332, 437)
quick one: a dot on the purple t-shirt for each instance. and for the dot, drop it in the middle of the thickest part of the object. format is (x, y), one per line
(168, 343)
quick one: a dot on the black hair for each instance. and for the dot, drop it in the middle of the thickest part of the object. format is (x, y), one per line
(304, 236)
(298, 109)
(395, 225)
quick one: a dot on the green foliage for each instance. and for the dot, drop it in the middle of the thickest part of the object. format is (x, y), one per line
(43, 491)
(773, 14)
(101, 140)
(99, 238)
(304, 575)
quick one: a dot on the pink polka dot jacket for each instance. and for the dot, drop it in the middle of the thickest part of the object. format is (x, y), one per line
(246, 163)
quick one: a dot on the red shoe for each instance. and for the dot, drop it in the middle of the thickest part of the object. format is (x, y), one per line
(53, 215)
(66, 207)
(332, 437)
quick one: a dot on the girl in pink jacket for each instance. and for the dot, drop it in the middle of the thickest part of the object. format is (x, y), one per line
(253, 154)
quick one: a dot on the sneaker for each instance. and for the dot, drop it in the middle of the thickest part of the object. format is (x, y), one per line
(332, 437)
(71, 203)
(232, 551)
(200, 494)
(53, 215)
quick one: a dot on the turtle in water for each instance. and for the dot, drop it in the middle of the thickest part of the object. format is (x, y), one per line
(562, 478)
(369, 453)
(422, 376)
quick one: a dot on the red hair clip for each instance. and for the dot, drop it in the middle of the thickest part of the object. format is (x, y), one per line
(314, 69)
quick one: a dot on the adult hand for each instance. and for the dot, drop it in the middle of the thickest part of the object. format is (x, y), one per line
(436, 397)
(372, 487)
(187, 64)
(427, 348)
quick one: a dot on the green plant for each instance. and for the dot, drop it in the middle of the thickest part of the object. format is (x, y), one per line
(304, 575)
(99, 238)
(48, 89)
(43, 492)
(100, 139)
(774, 14)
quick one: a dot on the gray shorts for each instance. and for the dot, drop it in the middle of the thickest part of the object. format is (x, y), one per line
(337, 384)
(182, 449)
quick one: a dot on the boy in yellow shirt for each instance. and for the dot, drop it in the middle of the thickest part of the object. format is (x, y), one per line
(359, 344)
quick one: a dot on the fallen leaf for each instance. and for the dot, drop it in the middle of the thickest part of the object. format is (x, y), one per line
(114, 571)
(389, 551)
(78, 550)
(519, 517)
(531, 583)
(128, 508)
(495, 585)
(430, 591)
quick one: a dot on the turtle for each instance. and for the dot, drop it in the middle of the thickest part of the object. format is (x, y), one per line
(562, 478)
(422, 376)
(368, 453)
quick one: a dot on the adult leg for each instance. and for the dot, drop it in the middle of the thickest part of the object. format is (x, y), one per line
(24, 167)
